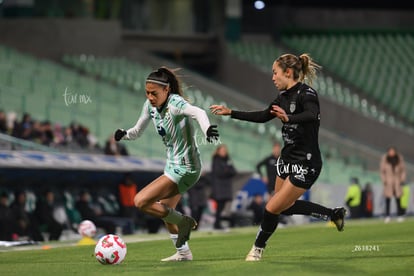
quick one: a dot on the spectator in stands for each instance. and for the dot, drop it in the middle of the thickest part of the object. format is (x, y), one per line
(23, 129)
(58, 136)
(68, 138)
(222, 173)
(197, 197)
(36, 132)
(45, 208)
(26, 225)
(6, 218)
(11, 121)
(270, 166)
(79, 134)
(253, 196)
(41, 133)
(67, 135)
(297, 106)
(367, 201)
(114, 148)
(404, 201)
(257, 206)
(172, 116)
(393, 174)
(127, 190)
(44, 133)
(3, 122)
(353, 198)
(89, 211)
(93, 143)
(47, 137)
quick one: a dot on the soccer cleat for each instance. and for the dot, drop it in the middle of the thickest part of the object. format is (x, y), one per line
(255, 254)
(184, 230)
(179, 257)
(338, 218)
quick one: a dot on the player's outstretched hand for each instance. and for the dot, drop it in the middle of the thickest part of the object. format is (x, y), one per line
(119, 133)
(212, 133)
(220, 110)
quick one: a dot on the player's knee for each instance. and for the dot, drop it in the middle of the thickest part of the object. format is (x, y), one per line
(140, 202)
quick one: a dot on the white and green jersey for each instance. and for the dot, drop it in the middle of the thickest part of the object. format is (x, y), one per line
(174, 124)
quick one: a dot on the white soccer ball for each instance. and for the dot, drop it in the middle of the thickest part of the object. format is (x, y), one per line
(87, 228)
(110, 249)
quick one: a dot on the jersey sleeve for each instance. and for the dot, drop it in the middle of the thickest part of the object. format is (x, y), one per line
(136, 131)
(199, 115)
(178, 106)
(255, 116)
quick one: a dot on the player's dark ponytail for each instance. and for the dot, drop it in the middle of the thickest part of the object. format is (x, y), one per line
(172, 79)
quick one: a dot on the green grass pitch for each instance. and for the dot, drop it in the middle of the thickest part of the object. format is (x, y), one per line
(366, 247)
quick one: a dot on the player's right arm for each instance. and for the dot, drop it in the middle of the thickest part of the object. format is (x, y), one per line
(253, 116)
(250, 116)
(136, 131)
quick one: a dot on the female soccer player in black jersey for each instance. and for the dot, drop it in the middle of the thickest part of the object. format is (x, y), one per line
(300, 163)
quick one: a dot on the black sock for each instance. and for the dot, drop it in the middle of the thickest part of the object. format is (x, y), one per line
(387, 206)
(308, 208)
(267, 228)
(400, 211)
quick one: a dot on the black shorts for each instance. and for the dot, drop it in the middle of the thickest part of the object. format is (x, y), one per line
(301, 174)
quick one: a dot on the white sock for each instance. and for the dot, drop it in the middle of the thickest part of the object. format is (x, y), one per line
(183, 248)
(173, 217)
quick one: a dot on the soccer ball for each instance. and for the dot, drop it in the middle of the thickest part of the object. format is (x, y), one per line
(110, 249)
(87, 229)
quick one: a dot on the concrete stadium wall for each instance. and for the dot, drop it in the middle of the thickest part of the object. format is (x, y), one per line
(346, 18)
(51, 38)
(279, 16)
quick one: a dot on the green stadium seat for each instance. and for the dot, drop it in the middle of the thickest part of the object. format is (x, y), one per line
(368, 61)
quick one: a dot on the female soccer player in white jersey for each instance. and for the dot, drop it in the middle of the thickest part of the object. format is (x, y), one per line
(172, 117)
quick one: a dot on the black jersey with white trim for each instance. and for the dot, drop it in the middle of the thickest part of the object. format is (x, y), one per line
(300, 134)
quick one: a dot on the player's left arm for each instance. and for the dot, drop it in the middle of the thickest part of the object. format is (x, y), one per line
(310, 113)
(199, 115)
(137, 130)
(181, 106)
(309, 101)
